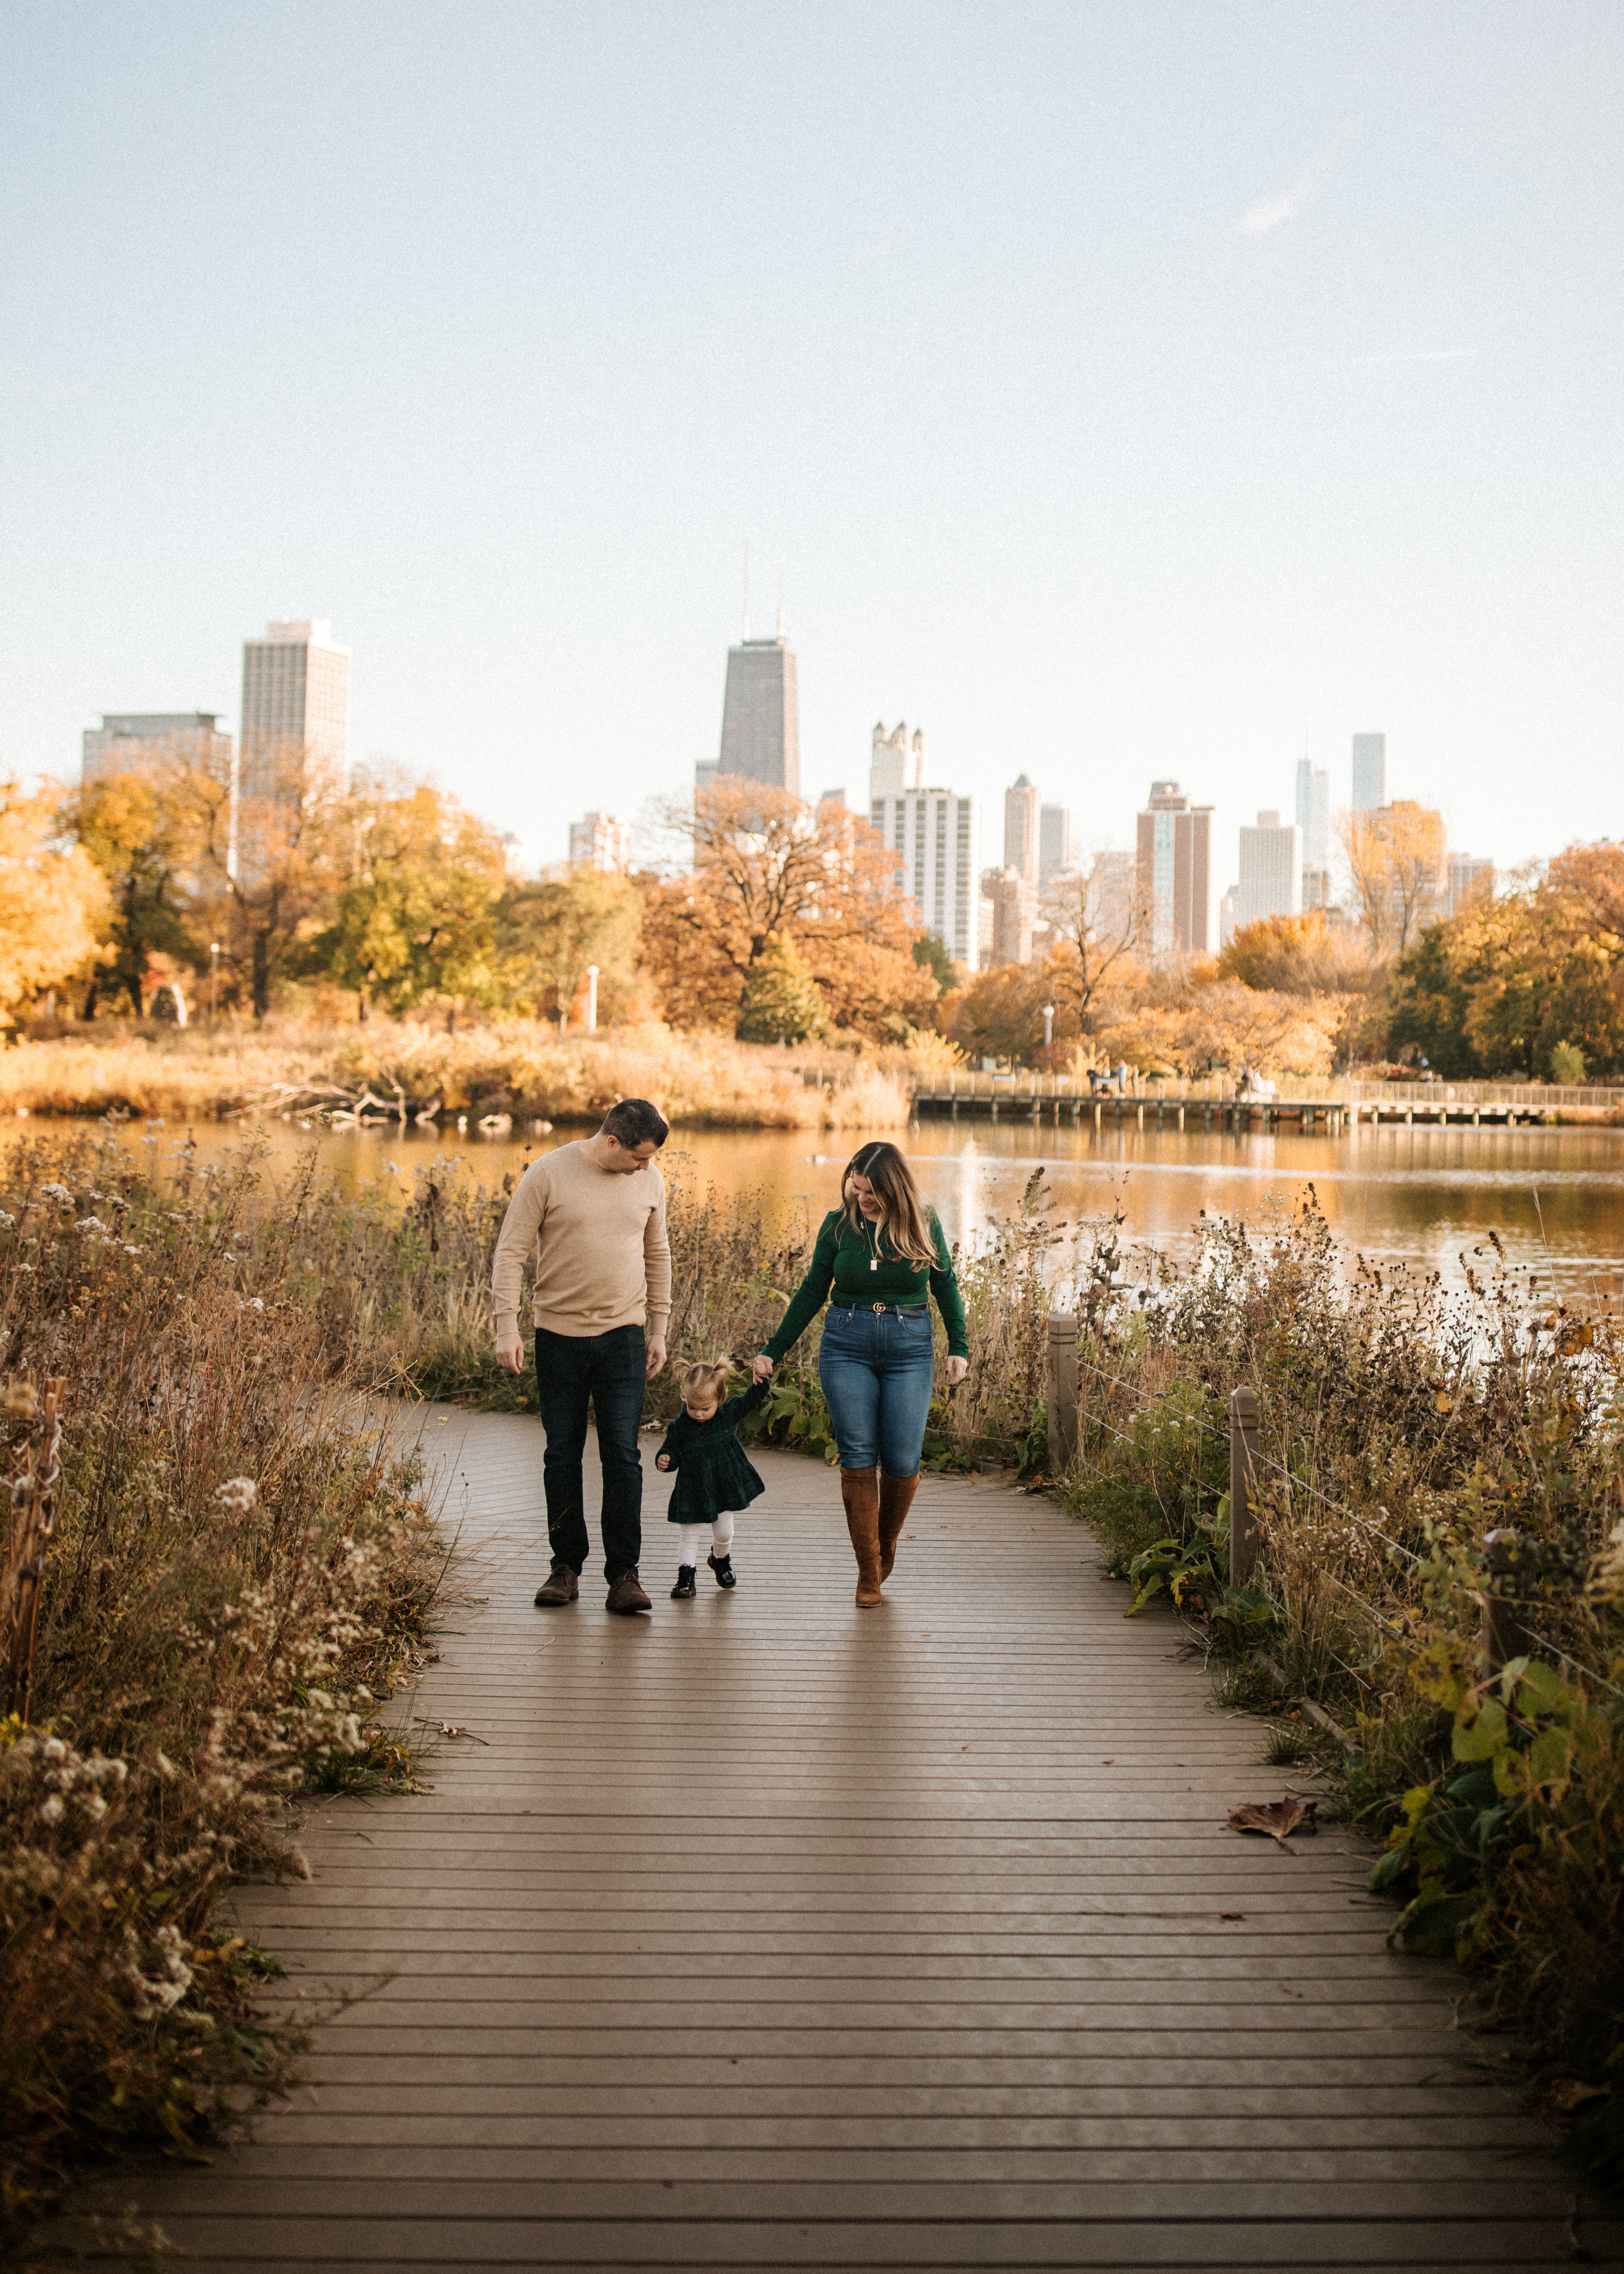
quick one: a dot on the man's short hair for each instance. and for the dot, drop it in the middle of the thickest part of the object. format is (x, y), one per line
(636, 1122)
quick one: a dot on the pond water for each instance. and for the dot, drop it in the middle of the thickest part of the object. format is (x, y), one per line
(1420, 1196)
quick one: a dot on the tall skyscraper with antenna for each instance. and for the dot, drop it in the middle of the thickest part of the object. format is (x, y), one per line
(761, 718)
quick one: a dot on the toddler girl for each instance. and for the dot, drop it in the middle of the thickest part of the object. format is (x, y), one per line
(713, 1476)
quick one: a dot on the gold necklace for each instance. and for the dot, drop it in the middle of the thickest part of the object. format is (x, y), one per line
(874, 1262)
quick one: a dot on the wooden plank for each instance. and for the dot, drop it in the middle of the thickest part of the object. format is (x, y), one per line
(767, 1933)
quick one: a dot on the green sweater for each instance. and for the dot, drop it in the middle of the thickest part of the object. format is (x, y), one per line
(843, 1260)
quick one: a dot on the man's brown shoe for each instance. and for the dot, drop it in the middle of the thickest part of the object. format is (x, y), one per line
(561, 1585)
(625, 1594)
(896, 1498)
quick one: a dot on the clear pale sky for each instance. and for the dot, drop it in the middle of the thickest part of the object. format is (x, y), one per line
(1128, 388)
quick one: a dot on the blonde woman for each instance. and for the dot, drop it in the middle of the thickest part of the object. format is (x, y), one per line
(879, 1256)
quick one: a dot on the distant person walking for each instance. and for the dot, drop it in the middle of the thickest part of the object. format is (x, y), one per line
(878, 1255)
(593, 1213)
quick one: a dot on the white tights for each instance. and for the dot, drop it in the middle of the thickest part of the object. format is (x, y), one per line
(691, 1537)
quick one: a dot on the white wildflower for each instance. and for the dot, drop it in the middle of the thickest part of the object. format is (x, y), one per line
(6, 1221)
(55, 1192)
(238, 1494)
(50, 1810)
(89, 1224)
(54, 1749)
(164, 1766)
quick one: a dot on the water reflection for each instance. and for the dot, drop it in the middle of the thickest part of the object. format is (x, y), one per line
(1554, 1196)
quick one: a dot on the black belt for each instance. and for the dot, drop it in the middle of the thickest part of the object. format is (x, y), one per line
(903, 1310)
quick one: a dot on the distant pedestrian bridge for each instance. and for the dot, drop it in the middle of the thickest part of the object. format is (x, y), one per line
(1220, 1102)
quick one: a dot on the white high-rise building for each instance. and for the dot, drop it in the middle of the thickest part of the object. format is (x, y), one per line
(294, 735)
(896, 761)
(1057, 840)
(1313, 813)
(597, 840)
(151, 741)
(935, 835)
(1022, 828)
(1271, 879)
(1370, 772)
(1470, 879)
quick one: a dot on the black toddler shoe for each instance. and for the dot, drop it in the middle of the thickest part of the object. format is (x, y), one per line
(684, 1587)
(722, 1566)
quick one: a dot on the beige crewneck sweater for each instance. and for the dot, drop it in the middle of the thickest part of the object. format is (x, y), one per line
(603, 1258)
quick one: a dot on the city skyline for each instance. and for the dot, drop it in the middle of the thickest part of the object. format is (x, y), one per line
(1092, 443)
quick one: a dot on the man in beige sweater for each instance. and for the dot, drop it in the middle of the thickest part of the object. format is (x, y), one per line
(593, 1214)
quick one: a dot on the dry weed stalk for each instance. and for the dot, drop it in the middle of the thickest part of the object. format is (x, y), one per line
(33, 1517)
(235, 1573)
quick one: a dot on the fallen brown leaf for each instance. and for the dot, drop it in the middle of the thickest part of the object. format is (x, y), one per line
(1276, 1817)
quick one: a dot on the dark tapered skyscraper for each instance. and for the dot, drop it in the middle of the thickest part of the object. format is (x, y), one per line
(761, 732)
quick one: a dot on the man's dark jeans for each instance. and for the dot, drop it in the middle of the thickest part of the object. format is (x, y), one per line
(607, 1371)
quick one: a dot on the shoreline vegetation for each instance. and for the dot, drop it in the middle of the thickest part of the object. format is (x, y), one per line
(518, 1068)
(505, 1072)
(237, 1582)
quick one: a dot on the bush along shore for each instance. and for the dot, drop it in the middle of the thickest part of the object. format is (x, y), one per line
(496, 1071)
(214, 1579)
(1400, 1426)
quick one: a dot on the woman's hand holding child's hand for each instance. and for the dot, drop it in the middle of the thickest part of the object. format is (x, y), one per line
(662, 1460)
(760, 1367)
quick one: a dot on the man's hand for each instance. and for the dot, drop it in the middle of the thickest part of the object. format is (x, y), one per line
(662, 1460)
(957, 1369)
(656, 1357)
(760, 1367)
(510, 1353)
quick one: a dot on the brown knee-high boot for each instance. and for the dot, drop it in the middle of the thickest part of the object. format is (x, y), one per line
(896, 1498)
(862, 1495)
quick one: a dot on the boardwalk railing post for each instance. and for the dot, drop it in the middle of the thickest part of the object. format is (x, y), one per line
(1242, 1486)
(1500, 1635)
(1061, 1386)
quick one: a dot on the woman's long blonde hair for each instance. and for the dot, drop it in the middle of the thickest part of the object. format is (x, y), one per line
(904, 1223)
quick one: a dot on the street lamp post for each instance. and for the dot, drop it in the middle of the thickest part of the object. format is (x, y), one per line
(213, 979)
(1048, 1024)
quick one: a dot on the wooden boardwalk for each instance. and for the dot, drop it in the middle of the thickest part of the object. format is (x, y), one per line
(770, 1933)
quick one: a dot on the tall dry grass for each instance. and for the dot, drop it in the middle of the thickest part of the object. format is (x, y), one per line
(237, 1574)
(1401, 1424)
(514, 1066)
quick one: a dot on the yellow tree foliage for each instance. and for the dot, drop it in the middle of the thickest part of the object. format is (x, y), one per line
(1184, 1018)
(416, 919)
(1397, 858)
(140, 829)
(54, 901)
(1299, 955)
(768, 867)
(549, 932)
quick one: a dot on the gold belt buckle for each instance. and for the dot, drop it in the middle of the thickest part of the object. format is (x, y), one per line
(881, 1306)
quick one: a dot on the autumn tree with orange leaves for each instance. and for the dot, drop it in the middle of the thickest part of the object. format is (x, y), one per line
(768, 872)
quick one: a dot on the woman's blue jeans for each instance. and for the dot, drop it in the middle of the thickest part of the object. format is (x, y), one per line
(877, 1368)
